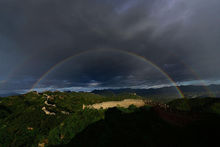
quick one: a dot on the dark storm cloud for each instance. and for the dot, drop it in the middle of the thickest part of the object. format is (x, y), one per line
(174, 34)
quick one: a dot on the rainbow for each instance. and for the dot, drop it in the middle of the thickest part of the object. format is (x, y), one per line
(115, 50)
(211, 94)
(195, 74)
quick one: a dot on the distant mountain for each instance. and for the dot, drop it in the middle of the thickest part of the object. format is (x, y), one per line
(167, 92)
(189, 91)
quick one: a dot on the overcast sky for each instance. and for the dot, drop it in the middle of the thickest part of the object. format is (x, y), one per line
(181, 37)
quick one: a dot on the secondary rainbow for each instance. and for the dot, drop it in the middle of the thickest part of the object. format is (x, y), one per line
(197, 77)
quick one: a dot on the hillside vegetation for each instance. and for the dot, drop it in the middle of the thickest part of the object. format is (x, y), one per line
(58, 119)
(24, 122)
(205, 105)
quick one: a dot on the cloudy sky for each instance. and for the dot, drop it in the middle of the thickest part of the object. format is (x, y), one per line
(113, 43)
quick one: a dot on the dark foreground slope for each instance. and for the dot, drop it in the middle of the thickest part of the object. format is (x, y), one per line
(145, 127)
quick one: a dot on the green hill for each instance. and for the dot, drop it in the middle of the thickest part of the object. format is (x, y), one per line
(57, 119)
(206, 105)
(24, 123)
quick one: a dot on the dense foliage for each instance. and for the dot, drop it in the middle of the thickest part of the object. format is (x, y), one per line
(208, 105)
(24, 123)
(144, 127)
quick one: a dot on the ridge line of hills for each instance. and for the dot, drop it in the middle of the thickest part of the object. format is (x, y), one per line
(191, 91)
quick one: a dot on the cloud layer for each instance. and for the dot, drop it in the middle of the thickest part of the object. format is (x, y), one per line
(180, 37)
